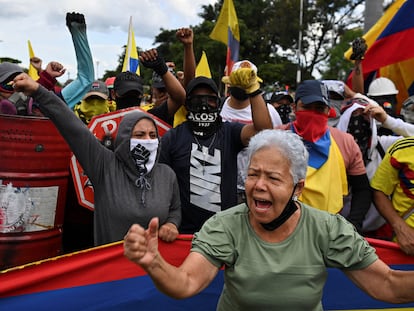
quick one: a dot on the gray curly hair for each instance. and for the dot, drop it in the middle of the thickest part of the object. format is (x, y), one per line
(289, 144)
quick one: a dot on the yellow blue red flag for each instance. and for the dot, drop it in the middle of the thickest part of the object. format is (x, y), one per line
(391, 48)
(226, 30)
(131, 61)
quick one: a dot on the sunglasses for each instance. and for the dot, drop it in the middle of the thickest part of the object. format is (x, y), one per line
(198, 100)
(7, 86)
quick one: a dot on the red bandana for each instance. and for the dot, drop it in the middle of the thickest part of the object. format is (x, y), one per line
(310, 125)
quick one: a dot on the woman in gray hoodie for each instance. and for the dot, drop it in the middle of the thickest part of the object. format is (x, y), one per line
(130, 186)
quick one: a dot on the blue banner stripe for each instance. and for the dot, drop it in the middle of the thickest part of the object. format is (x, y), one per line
(139, 293)
(341, 294)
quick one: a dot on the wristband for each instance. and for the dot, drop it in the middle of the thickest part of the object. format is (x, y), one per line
(158, 65)
(255, 93)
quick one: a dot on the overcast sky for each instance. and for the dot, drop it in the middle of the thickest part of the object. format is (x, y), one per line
(43, 22)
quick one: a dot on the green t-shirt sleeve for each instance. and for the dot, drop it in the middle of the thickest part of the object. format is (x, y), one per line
(213, 242)
(346, 249)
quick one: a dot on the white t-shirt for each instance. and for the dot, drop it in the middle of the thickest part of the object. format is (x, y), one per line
(244, 115)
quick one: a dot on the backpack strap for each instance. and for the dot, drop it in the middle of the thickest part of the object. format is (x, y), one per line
(380, 149)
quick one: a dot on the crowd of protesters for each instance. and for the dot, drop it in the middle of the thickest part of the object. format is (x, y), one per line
(326, 161)
(348, 134)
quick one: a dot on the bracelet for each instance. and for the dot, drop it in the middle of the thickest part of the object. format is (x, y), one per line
(255, 93)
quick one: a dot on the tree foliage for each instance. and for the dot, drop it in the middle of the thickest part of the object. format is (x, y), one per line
(337, 66)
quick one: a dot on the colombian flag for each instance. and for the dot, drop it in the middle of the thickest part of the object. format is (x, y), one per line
(102, 278)
(131, 61)
(391, 48)
(226, 30)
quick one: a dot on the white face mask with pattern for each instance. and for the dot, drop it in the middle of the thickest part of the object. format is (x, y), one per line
(144, 153)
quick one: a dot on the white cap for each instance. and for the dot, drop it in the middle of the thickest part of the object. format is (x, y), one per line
(244, 64)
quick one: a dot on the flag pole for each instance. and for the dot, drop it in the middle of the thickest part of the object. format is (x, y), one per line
(299, 51)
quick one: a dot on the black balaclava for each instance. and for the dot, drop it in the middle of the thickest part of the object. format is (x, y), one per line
(360, 129)
(284, 113)
(389, 103)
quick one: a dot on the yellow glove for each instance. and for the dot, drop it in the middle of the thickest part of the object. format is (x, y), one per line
(111, 105)
(244, 78)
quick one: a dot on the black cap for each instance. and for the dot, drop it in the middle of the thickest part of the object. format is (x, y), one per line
(201, 81)
(312, 91)
(277, 96)
(128, 81)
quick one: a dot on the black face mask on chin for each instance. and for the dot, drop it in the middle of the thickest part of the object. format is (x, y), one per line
(238, 93)
(288, 211)
(128, 101)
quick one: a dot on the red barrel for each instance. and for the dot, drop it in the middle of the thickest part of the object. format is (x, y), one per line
(34, 173)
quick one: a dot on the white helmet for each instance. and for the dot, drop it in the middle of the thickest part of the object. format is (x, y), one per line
(382, 86)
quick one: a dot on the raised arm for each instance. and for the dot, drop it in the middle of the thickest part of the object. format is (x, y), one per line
(74, 91)
(358, 78)
(359, 48)
(195, 273)
(47, 77)
(186, 37)
(83, 143)
(260, 116)
(176, 92)
(246, 79)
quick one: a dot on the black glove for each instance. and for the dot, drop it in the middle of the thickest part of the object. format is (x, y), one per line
(359, 47)
(75, 18)
(158, 65)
